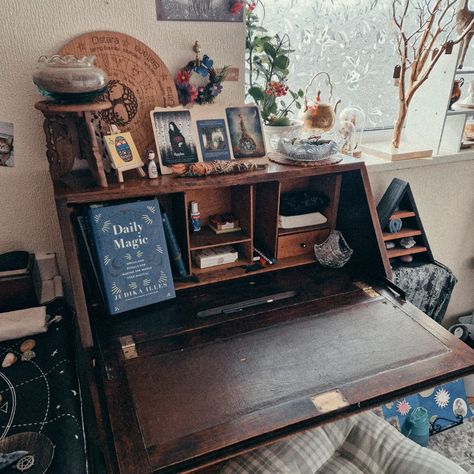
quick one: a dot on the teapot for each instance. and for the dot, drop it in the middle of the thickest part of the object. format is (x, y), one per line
(319, 116)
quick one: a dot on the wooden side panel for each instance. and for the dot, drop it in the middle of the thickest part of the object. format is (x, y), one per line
(242, 207)
(359, 224)
(267, 204)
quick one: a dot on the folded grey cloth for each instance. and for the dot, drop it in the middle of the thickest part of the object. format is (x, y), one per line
(24, 322)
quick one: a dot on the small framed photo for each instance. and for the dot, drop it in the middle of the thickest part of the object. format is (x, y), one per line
(122, 151)
(6, 144)
(246, 132)
(174, 137)
(213, 139)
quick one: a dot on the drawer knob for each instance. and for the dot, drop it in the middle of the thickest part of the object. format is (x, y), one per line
(303, 245)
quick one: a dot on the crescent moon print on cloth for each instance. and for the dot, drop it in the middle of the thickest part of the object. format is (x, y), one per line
(139, 81)
(41, 396)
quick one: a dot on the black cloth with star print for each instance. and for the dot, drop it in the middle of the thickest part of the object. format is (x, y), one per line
(42, 394)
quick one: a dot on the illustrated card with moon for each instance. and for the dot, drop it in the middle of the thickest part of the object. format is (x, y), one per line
(174, 137)
(246, 135)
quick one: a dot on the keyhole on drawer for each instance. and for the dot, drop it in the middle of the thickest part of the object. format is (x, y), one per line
(303, 245)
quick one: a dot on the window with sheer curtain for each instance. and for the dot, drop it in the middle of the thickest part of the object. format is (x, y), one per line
(352, 40)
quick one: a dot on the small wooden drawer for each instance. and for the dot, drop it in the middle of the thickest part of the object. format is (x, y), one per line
(294, 245)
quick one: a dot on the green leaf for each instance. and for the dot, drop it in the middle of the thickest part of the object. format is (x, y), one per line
(282, 62)
(282, 102)
(301, 93)
(298, 105)
(257, 93)
(269, 49)
(273, 109)
(281, 121)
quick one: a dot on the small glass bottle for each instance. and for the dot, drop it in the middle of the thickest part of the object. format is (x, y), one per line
(195, 217)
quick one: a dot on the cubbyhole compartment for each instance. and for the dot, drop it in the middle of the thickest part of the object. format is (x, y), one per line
(235, 200)
(244, 250)
(298, 242)
(399, 251)
(410, 227)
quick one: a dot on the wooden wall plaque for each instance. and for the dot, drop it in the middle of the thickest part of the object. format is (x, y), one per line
(139, 81)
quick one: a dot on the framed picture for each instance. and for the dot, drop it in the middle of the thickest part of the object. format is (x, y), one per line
(246, 133)
(196, 10)
(6, 144)
(122, 151)
(213, 139)
(174, 137)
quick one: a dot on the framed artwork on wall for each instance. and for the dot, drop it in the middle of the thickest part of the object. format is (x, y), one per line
(200, 10)
(174, 137)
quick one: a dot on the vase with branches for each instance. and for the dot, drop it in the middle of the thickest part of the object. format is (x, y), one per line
(267, 58)
(420, 47)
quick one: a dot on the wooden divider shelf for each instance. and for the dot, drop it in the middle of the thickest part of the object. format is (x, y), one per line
(402, 215)
(207, 238)
(399, 252)
(406, 232)
(298, 230)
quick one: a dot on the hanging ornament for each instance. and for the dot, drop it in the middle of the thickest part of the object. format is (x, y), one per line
(396, 75)
(449, 47)
(211, 81)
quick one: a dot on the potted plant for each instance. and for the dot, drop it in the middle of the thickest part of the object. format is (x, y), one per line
(267, 58)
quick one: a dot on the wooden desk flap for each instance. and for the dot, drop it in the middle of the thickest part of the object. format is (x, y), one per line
(208, 401)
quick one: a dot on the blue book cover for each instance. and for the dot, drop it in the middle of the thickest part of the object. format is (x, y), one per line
(131, 254)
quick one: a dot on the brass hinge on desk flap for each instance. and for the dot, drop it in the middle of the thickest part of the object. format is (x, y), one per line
(367, 289)
(129, 348)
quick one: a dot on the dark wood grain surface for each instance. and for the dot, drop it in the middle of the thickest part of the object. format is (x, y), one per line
(79, 188)
(203, 390)
(211, 397)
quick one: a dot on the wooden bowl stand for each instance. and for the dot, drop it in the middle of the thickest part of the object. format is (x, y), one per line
(70, 134)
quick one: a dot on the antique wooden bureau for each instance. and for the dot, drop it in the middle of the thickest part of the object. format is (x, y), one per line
(168, 391)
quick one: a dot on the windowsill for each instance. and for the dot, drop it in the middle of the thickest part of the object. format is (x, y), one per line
(375, 164)
(379, 164)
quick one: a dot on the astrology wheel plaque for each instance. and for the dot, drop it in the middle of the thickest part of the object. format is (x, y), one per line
(139, 81)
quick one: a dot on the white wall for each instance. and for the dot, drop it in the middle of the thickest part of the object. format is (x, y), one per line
(31, 28)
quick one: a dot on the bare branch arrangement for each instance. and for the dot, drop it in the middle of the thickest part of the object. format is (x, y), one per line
(421, 46)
